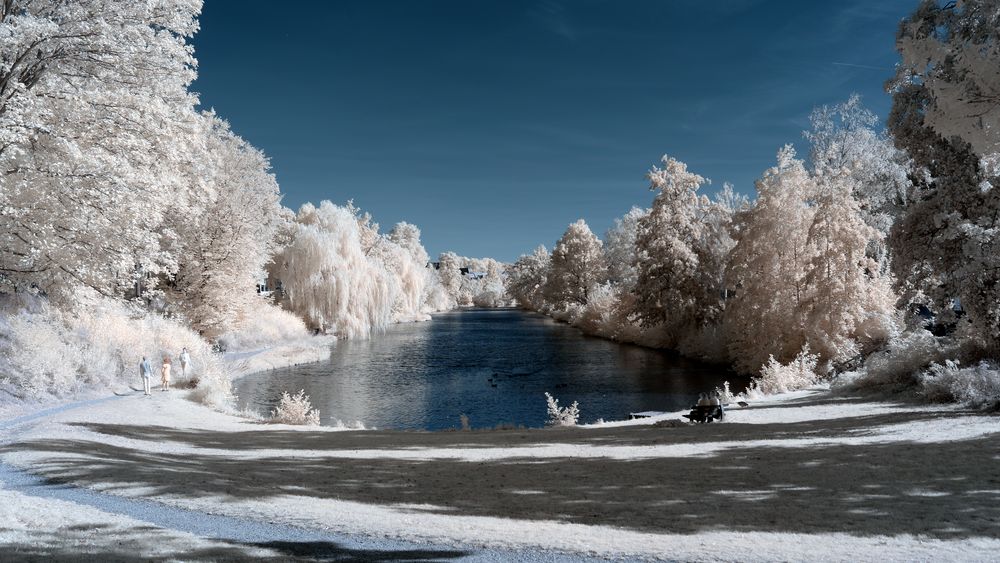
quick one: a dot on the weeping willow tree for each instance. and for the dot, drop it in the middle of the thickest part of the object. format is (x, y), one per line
(345, 278)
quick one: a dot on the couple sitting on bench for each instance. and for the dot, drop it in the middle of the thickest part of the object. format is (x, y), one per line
(708, 409)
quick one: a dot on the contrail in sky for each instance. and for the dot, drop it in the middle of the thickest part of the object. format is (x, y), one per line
(863, 66)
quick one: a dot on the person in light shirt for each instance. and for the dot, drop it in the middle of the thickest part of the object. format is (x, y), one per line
(146, 372)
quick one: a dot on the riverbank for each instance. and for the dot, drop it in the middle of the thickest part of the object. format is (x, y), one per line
(280, 355)
(809, 475)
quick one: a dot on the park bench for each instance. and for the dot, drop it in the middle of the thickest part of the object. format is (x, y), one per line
(705, 413)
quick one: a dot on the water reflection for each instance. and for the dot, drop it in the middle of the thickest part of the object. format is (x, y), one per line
(493, 365)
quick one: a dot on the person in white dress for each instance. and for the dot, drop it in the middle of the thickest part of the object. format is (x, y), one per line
(185, 362)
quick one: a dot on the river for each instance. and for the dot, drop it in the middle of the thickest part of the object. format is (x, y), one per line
(493, 365)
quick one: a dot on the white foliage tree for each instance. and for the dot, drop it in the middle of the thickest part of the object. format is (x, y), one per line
(849, 300)
(368, 229)
(843, 141)
(228, 233)
(432, 296)
(404, 257)
(407, 236)
(344, 277)
(450, 274)
(527, 279)
(327, 277)
(436, 297)
(669, 287)
(714, 245)
(576, 267)
(93, 95)
(473, 281)
(489, 289)
(768, 267)
(620, 249)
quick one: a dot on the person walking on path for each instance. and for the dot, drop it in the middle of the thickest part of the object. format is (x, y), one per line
(185, 362)
(165, 374)
(146, 371)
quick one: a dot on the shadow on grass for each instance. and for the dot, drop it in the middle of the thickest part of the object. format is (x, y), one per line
(101, 543)
(947, 490)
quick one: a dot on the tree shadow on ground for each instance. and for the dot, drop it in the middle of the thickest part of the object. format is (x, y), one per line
(943, 490)
(86, 544)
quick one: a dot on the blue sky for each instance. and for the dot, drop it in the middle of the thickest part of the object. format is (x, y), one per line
(493, 125)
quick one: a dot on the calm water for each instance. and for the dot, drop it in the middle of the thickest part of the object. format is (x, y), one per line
(491, 364)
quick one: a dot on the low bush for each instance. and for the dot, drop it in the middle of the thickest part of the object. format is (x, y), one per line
(776, 377)
(295, 409)
(262, 324)
(977, 386)
(341, 425)
(899, 365)
(726, 395)
(46, 352)
(566, 416)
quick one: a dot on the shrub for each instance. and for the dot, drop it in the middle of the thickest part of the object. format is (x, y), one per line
(341, 425)
(977, 386)
(778, 378)
(295, 409)
(606, 315)
(900, 365)
(567, 416)
(261, 325)
(42, 357)
(725, 394)
(46, 352)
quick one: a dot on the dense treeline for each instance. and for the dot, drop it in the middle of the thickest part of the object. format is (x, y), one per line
(730, 280)
(132, 223)
(831, 261)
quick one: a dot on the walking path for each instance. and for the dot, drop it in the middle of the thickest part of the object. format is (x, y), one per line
(230, 537)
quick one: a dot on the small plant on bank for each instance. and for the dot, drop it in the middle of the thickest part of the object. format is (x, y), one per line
(725, 394)
(776, 377)
(295, 409)
(566, 416)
